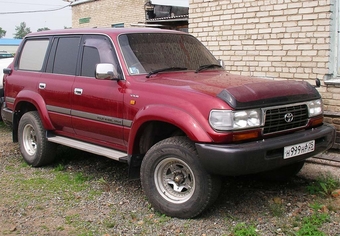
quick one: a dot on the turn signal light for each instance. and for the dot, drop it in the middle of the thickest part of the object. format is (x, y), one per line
(316, 121)
(246, 135)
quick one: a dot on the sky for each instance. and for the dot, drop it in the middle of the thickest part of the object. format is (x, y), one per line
(52, 19)
(57, 19)
(180, 3)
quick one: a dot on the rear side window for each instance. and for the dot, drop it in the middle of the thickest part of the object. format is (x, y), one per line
(33, 54)
(65, 60)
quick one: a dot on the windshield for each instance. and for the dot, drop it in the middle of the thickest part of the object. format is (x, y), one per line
(147, 52)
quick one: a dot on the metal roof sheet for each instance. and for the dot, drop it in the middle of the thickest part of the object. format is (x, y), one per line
(10, 42)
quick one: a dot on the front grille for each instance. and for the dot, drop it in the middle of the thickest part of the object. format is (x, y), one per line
(275, 118)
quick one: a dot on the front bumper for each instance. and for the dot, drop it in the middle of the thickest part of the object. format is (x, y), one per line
(259, 156)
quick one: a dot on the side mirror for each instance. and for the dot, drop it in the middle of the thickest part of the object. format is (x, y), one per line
(106, 71)
(7, 71)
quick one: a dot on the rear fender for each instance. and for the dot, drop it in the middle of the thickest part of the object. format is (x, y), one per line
(38, 102)
(171, 115)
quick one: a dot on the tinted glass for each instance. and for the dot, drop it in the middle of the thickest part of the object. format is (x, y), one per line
(33, 55)
(90, 60)
(66, 56)
(145, 52)
(96, 49)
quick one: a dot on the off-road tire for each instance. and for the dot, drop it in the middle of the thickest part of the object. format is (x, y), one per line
(33, 144)
(175, 182)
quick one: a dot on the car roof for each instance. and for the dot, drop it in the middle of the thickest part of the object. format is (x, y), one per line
(108, 31)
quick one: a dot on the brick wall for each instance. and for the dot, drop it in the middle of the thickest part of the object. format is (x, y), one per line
(104, 13)
(279, 39)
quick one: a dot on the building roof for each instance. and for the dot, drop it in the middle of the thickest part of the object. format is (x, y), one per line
(108, 31)
(10, 42)
(169, 18)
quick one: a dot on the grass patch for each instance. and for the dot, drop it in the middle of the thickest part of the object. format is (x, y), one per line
(59, 167)
(109, 224)
(324, 185)
(161, 218)
(316, 206)
(242, 229)
(42, 185)
(61, 181)
(2, 124)
(24, 164)
(276, 209)
(310, 225)
(81, 226)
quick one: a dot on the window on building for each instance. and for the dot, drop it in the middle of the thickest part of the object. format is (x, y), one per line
(119, 25)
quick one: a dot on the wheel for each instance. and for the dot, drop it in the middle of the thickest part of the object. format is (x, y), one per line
(175, 182)
(33, 144)
(283, 173)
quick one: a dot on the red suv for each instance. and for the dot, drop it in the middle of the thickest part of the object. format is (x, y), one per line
(159, 101)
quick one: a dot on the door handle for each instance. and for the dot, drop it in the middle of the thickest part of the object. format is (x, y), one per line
(42, 85)
(78, 91)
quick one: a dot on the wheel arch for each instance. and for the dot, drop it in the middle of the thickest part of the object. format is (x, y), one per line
(157, 118)
(30, 101)
(151, 126)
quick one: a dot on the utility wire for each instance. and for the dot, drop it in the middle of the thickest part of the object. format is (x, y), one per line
(33, 11)
(11, 2)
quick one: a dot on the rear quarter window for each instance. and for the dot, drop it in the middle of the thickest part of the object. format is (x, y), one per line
(33, 55)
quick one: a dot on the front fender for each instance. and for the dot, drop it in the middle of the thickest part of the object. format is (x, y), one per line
(180, 118)
(35, 99)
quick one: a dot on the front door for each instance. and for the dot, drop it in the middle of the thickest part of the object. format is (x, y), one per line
(97, 105)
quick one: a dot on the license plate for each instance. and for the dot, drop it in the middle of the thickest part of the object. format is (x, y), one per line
(298, 149)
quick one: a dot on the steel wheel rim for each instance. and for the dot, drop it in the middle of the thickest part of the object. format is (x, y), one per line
(174, 180)
(30, 140)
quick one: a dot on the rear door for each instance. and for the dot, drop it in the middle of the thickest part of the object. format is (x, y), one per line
(55, 85)
(97, 105)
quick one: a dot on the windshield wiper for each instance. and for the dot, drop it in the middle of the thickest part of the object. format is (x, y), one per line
(204, 67)
(165, 69)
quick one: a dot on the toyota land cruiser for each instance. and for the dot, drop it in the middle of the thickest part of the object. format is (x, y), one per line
(159, 101)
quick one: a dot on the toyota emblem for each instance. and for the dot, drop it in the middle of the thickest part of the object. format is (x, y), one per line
(289, 117)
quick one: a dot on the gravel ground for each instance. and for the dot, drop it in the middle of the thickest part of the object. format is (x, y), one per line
(110, 204)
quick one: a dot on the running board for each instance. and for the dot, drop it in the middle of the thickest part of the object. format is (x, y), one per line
(88, 147)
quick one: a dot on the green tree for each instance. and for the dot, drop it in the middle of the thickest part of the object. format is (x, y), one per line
(2, 33)
(43, 29)
(21, 31)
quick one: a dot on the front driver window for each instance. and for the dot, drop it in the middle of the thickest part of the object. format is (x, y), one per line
(96, 49)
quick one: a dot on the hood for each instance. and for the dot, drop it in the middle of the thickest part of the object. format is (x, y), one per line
(269, 93)
(207, 82)
(241, 92)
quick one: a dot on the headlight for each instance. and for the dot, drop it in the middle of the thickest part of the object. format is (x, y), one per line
(315, 108)
(233, 120)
